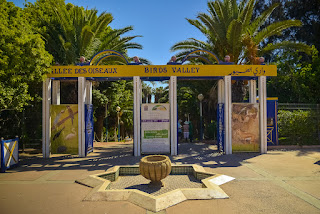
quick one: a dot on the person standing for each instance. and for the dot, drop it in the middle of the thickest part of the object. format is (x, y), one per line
(186, 130)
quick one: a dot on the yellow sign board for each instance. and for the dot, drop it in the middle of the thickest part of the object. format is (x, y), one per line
(163, 70)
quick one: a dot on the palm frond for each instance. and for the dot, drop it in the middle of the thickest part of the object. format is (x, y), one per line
(260, 20)
(246, 14)
(190, 44)
(287, 45)
(275, 29)
(145, 61)
(234, 38)
(198, 25)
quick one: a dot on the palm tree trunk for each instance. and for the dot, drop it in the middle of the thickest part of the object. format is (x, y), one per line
(239, 91)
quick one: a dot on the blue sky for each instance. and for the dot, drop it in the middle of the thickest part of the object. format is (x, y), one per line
(161, 23)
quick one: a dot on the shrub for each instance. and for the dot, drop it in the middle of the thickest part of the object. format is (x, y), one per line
(297, 127)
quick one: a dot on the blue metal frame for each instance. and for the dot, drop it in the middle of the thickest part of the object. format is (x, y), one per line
(272, 129)
(243, 78)
(154, 78)
(200, 50)
(112, 54)
(194, 56)
(109, 78)
(272, 114)
(200, 78)
(3, 167)
(119, 54)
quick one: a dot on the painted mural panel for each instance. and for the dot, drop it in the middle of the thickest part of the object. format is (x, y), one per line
(64, 129)
(245, 127)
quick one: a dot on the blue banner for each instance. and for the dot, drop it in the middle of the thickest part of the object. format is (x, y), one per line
(89, 133)
(220, 127)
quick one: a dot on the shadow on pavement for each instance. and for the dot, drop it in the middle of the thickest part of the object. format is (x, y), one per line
(107, 155)
(208, 156)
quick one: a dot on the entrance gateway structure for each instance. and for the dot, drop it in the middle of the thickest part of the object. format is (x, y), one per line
(224, 73)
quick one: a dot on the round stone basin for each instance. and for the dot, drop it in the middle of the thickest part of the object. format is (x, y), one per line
(155, 168)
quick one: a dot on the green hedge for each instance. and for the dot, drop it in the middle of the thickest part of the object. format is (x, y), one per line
(298, 127)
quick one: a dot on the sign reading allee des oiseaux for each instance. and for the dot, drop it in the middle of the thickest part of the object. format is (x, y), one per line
(163, 70)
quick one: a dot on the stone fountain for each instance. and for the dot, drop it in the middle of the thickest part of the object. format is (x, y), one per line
(155, 168)
(128, 183)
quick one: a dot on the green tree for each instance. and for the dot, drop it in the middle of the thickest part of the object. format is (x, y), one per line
(230, 28)
(297, 80)
(298, 127)
(23, 58)
(188, 103)
(113, 94)
(69, 30)
(146, 93)
(72, 31)
(114, 40)
(159, 94)
(308, 12)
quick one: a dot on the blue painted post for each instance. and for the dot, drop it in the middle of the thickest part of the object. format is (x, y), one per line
(3, 166)
(201, 128)
(106, 122)
(107, 129)
(118, 114)
(118, 126)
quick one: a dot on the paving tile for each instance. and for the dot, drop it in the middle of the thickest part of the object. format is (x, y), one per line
(22, 175)
(262, 183)
(286, 165)
(310, 187)
(236, 172)
(73, 174)
(57, 198)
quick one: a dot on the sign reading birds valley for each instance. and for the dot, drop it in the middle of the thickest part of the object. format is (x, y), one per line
(163, 70)
(155, 128)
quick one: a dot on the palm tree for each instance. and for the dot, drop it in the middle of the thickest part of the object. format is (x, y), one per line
(72, 30)
(230, 28)
(158, 94)
(113, 39)
(146, 93)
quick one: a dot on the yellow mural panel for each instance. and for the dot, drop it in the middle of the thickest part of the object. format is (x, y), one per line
(64, 129)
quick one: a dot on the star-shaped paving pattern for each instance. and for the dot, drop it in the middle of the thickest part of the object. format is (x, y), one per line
(123, 183)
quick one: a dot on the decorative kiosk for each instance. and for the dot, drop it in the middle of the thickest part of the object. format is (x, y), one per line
(229, 119)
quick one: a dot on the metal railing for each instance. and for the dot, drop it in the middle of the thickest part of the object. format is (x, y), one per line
(298, 106)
